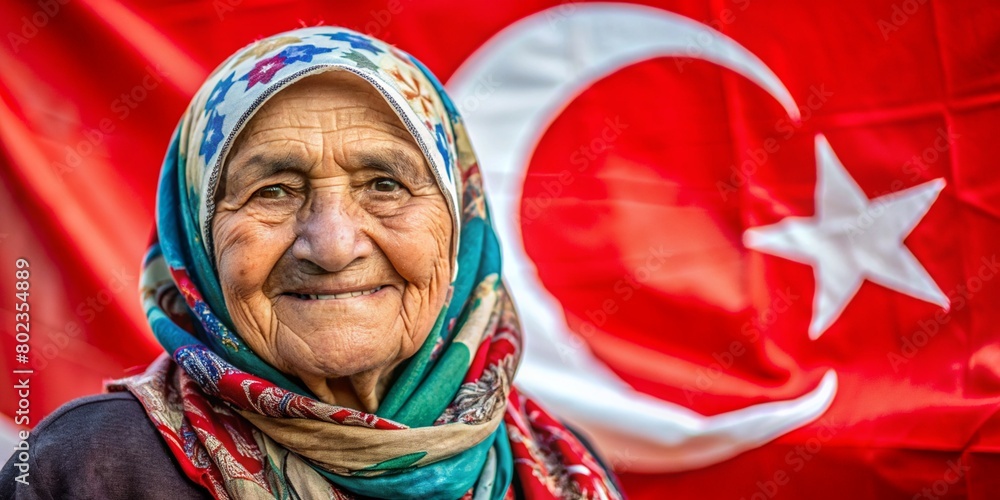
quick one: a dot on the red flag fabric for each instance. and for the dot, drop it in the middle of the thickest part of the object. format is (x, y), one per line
(755, 241)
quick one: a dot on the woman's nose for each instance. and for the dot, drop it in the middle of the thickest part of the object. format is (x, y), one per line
(330, 232)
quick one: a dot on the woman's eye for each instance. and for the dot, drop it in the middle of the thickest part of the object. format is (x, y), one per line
(385, 185)
(272, 192)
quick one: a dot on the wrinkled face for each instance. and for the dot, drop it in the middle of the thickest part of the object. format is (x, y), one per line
(332, 238)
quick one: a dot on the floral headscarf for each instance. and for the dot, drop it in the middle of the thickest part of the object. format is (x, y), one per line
(451, 425)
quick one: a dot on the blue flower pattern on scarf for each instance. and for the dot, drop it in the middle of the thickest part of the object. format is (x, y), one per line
(357, 42)
(212, 136)
(219, 92)
(441, 141)
(302, 53)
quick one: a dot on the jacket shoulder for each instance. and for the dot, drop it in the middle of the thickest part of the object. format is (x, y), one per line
(100, 446)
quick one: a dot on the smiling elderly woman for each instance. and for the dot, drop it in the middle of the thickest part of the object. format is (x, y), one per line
(326, 284)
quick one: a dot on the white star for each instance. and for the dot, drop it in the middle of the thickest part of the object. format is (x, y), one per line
(851, 239)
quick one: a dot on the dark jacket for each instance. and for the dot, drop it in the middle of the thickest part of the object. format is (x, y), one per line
(103, 447)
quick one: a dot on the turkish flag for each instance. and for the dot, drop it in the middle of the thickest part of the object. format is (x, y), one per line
(752, 243)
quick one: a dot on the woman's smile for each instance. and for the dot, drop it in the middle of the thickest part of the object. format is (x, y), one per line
(361, 295)
(334, 295)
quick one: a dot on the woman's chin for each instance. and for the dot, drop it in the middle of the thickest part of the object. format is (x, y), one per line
(335, 353)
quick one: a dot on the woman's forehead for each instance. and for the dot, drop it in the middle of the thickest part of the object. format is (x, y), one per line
(332, 85)
(322, 112)
(330, 100)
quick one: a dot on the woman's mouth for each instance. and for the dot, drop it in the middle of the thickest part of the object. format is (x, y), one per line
(335, 296)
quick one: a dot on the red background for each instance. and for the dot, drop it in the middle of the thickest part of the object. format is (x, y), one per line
(84, 225)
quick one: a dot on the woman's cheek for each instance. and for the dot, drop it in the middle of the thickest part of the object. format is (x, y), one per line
(439, 238)
(427, 226)
(247, 250)
(419, 259)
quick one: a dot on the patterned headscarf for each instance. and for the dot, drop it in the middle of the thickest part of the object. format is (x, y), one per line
(451, 424)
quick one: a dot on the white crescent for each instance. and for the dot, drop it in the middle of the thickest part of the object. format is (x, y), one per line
(509, 91)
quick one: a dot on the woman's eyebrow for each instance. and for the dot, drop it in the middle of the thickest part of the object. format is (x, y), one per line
(263, 165)
(393, 162)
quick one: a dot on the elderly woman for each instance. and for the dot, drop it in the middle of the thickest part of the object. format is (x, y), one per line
(326, 284)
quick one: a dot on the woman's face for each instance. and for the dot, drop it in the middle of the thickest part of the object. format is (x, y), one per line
(332, 238)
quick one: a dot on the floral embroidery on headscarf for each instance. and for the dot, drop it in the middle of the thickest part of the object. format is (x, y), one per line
(257, 50)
